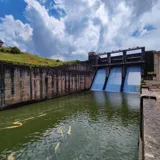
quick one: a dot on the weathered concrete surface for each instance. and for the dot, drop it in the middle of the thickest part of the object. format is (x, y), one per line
(23, 84)
(151, 126)
(140, 156)
(153, 89)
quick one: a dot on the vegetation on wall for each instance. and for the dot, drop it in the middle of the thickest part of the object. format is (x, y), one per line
(151, 73)
(15, 56)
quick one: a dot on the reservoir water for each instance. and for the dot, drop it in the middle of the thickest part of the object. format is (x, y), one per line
(93, 125)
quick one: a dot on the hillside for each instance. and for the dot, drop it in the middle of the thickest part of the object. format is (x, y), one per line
(15, 56)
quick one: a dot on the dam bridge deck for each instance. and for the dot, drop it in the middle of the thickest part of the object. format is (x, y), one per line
(119, 57)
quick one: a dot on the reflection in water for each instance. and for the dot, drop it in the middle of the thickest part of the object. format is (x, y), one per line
(115, 99)
(130, 100)
(89, 125)
(99, 97)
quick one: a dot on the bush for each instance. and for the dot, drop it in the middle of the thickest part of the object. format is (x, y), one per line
(151, 73)
(1, 49)
(58, 60)
(15, 50)
(7, 50)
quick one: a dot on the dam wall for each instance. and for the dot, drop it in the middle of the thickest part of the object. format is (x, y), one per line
(22, 83)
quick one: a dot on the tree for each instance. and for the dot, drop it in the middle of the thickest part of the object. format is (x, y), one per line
(1, 49)
(15, 50)
(58, 60)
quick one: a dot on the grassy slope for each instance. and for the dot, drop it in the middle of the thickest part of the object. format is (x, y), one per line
(29, 59)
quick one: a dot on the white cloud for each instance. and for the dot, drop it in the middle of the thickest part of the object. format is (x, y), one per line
(88, 25)
(150, 40)
(14, 32)
(58, 57)
(102, 14)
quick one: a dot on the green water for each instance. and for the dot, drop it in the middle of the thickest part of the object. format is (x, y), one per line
(85, 126)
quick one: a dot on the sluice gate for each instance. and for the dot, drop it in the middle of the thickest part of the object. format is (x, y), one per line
(133, 79)
(99, 80)
(115, 80)
(114, 84)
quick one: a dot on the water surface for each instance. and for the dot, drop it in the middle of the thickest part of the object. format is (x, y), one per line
(85, 126)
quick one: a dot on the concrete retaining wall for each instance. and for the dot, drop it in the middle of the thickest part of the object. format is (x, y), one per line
(20, 83)
(149, 125)
(157, 64)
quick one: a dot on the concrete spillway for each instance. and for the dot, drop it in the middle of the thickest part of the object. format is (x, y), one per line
(115, 80)
(114, 83)
(99, 80)
(133, 79)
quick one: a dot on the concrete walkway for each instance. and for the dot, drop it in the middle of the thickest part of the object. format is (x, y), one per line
(151, 124)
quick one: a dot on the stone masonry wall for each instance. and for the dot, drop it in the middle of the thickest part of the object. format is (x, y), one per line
(20, 83)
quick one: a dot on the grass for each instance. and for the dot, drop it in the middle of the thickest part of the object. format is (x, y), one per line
(151, 73)
(29, 59)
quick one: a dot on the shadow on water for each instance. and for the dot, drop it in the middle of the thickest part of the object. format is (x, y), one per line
(89, 125)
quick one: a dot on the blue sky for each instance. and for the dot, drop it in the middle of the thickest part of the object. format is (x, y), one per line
(69, 29)
(146, 28)
(15, 8)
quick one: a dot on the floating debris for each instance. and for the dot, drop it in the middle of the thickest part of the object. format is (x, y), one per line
(42, 115)
(69, 130)
(28, 118)
(10, 157)
(57, 146)
(18, 124)
(60, 130)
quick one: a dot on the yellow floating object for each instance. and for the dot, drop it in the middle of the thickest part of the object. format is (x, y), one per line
(57, 146)
(60, 130)
(28, 118)
(41, 115)
(69, 130)
(10, 157)
(18, 124)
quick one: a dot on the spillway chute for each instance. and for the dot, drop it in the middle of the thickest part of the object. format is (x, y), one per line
(115, 80)
(133, 80)
(99, 80)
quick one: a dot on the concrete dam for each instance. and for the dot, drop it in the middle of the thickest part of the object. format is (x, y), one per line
(111, 71)
(120, 73)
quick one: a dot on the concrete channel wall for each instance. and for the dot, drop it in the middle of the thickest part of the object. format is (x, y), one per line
(149, 148)
(157, 64)
(20, 83)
